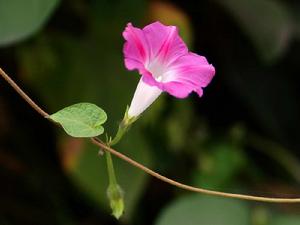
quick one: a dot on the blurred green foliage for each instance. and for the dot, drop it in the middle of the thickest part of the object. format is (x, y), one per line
(195, 209)
(268, 24)
(241, 136)
(20, 19)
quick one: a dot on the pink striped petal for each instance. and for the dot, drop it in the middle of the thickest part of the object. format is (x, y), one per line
(155, 42)
(188, 73)
(136, 50)
(164, 42)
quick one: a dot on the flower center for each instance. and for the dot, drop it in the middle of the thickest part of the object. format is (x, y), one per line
(157, 70)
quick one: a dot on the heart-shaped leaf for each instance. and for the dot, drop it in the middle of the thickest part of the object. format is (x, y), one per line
(81, 120)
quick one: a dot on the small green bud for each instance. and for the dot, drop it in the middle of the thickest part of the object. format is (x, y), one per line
(115, 195)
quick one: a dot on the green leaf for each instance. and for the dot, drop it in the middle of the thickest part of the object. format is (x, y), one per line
(81, 120)
(19, 19)
(204, 210)
(266, 22)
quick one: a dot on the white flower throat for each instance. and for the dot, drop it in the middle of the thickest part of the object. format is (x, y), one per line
(160, 71)
(157, 69)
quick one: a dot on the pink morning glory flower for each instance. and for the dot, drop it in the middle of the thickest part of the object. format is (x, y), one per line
(165, 64)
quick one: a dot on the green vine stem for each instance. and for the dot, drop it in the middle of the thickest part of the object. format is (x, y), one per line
(123, 128)
(114, 191)
(111, 172)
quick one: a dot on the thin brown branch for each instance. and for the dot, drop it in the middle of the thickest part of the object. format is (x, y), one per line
(100, 144)
(23, 94)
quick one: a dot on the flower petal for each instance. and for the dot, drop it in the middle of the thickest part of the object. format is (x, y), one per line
(164, 42)
(136, 50)
(163, 60)
(143, 97)
(155, 42)
(188, 73)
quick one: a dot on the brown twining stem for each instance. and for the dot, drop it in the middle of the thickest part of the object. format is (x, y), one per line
(23, 94)
(99, 143)
(103, 146)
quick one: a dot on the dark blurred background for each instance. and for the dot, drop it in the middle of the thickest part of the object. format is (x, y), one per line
(242, 136)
